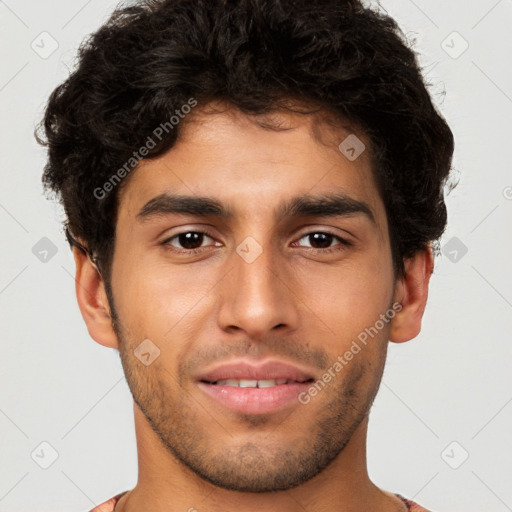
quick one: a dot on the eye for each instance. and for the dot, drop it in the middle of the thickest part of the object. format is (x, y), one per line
(191, 242)
(187, 241)
(324, 240)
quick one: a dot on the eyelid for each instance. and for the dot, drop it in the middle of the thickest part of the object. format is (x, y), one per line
(200, 230)
(343, 241)
(342, 235)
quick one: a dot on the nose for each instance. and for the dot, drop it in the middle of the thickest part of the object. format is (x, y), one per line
(257, 295)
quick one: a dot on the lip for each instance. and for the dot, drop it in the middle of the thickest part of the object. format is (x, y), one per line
(263, 371)
(255, 400)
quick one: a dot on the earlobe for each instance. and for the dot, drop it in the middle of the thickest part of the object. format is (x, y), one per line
(92, 300)
(411, 292)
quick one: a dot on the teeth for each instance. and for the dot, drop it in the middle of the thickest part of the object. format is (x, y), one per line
(246, 383)
(267, 383)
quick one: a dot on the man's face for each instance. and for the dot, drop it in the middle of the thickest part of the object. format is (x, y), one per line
(258, 288)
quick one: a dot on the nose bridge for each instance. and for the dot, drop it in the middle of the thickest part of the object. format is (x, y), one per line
(254, 297)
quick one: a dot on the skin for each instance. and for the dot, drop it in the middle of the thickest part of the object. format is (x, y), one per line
(293, 303)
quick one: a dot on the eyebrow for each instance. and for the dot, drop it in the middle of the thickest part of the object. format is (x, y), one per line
(326, 205)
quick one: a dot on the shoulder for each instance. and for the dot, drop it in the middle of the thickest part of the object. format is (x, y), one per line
(109, 505)
(413, 507)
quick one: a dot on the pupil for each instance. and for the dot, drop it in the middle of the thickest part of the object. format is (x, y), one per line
(323, 238)
(190, 240)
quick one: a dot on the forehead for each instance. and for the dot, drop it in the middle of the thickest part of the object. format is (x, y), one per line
(254, 164)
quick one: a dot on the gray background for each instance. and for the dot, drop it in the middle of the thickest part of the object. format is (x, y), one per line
(440, 428)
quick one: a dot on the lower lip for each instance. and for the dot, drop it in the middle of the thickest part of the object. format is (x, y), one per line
(255, 400)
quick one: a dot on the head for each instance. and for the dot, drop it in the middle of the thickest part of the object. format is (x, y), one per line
(298, 145)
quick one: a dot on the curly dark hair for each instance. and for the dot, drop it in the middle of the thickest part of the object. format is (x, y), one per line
(150, 58)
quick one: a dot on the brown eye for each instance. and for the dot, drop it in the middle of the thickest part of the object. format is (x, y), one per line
(190, 240)
(187, 241)
(320, 240)
(323, 240)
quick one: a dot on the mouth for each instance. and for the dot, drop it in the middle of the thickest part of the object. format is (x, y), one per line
(255, 389)
(250, 383)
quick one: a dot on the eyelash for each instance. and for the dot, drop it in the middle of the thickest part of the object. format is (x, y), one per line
(342, 246)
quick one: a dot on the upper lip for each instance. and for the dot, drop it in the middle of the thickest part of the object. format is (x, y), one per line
(267, 370)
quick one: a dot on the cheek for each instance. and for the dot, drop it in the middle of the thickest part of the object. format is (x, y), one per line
(155, 300)
(357, 336)
(372, 283)
(351, 296)
(162, 310)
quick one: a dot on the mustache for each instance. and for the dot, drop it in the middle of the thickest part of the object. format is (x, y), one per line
(288, 349)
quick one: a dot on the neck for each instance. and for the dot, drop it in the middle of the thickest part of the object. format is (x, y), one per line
(166, 485)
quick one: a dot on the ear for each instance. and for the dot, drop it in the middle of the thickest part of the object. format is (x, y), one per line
(92, 300)
(411, 291)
